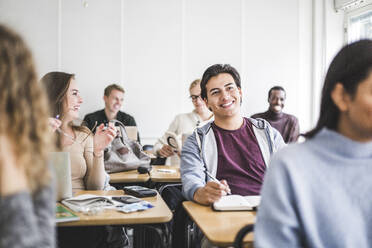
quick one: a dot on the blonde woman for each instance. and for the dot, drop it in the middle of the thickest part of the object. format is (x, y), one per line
(184, 124)
(27, 199)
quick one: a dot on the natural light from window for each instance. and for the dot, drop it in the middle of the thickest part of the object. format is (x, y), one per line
(360, 26)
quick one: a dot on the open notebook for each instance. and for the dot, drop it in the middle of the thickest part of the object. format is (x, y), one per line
(237, 202)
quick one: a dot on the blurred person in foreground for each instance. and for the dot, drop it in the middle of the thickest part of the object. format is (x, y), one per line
(27, 199)
(317, 194)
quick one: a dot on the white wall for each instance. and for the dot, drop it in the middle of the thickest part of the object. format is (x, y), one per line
(154, 49)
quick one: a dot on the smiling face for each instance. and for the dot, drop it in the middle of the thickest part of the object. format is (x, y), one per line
(223, 96)
(114, 101)
(72, 102)
(277, 100)
(198, 103)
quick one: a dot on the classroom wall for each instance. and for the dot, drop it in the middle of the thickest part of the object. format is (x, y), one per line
(154, 49)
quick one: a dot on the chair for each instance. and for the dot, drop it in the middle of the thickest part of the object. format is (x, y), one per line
(238, 242)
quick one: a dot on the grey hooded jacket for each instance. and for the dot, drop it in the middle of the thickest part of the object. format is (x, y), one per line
(200, 153)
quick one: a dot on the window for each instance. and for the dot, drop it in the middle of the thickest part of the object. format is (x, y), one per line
(359, 24)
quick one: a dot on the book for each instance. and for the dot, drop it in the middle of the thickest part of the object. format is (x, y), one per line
(65, 215)
(93, 204)
(85, 202)
(236, 203)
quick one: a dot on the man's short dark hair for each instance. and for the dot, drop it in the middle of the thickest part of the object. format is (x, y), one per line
(215, 70)
(275, 88)
(112, 87)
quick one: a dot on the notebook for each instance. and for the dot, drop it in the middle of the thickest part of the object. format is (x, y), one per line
(65, 215)
(61, 165)
(237, 202)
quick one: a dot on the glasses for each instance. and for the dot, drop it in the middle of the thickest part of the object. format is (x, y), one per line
(195, 97)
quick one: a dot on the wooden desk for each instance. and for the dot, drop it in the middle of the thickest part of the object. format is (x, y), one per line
(220, 227)
(165, 177)
(131, 176)
(159, 214)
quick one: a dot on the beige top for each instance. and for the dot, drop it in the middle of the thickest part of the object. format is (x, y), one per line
(87, 171)
(183, 124)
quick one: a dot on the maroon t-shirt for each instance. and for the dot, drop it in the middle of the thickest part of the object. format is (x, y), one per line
(240, 160)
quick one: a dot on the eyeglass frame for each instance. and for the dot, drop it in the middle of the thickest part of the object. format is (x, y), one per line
(195, 97)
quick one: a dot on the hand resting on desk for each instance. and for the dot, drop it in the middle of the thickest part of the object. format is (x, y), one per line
(211, 192)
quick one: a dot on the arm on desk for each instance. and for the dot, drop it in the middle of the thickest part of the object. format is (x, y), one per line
(211, 192)
(191, 168)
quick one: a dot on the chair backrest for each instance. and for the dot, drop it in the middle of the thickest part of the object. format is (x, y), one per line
(61, 165)
(238, 242)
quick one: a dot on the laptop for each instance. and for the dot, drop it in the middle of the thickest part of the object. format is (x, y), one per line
(131, 132)
(61, 166)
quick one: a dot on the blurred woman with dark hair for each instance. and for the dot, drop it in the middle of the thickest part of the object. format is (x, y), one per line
(27, 200)
(317, 194)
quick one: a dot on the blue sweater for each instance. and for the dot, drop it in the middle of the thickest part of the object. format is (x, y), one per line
(318, 194)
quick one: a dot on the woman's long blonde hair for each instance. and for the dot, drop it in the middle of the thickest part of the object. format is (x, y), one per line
(23, 109)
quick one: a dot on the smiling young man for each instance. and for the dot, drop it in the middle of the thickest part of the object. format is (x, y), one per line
(113, 97)
(286, 124)
(233, 148)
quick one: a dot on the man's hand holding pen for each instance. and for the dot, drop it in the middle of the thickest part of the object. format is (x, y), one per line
(211, 192)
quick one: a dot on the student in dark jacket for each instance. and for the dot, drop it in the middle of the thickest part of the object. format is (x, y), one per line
(113, 97)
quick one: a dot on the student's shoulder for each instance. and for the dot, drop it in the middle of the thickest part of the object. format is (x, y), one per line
(183, 116)
(294, 154)
(258, 115)
(292, 118)
(126, 119)
(259, 122)
(122, 114)
(94, 115)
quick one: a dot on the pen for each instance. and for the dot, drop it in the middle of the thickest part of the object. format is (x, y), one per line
(216, 180)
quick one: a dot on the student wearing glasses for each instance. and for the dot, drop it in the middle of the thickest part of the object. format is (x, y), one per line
(27, 199)
(184, 124)
(317, 194)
